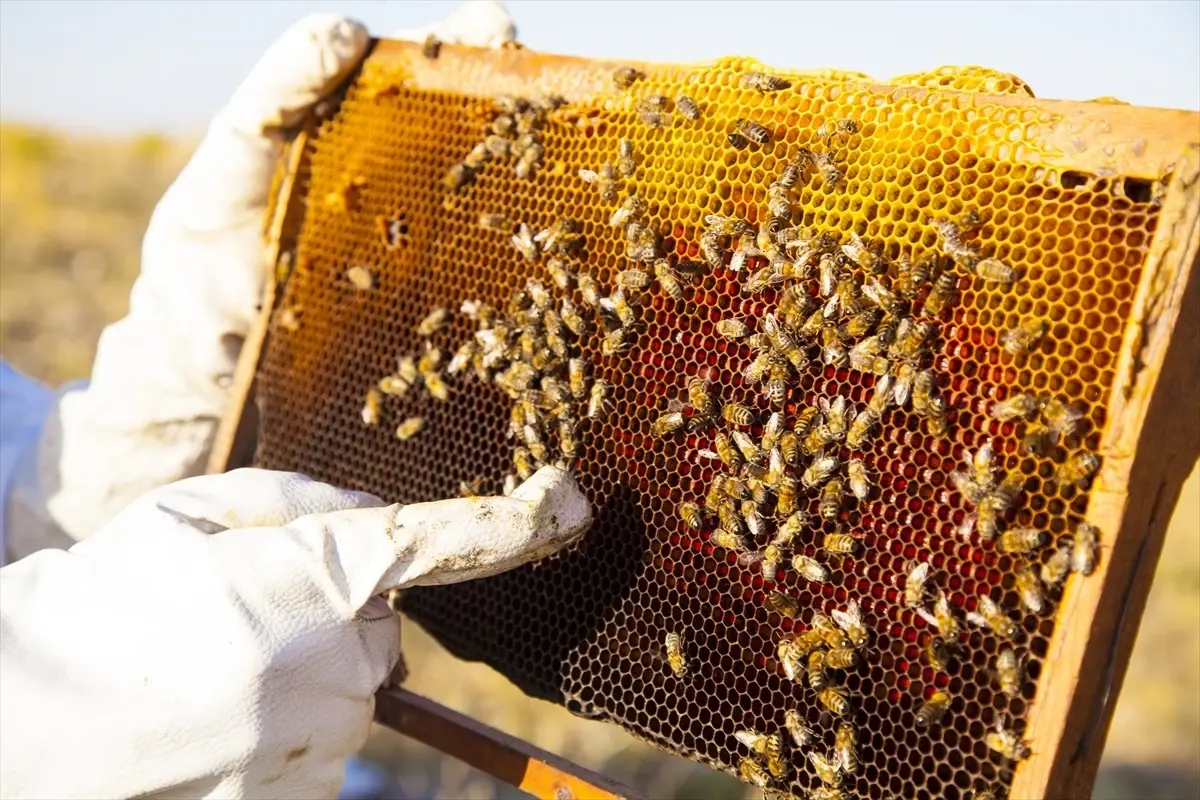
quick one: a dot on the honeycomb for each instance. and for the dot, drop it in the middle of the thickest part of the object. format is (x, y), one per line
(386, 229)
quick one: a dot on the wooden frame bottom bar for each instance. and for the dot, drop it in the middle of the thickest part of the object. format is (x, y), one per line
(506, 758)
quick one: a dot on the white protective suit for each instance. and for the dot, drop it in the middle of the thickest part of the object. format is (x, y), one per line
(218, 636)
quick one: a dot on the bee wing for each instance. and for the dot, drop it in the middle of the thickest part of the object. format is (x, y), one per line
(928, 616)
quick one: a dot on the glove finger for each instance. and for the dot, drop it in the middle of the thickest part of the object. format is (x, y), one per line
(353, 555)
(480, 23)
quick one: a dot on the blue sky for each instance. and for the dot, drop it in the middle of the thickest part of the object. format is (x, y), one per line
(126, 66)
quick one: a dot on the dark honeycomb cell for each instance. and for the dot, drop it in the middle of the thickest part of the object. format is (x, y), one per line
(587, 628)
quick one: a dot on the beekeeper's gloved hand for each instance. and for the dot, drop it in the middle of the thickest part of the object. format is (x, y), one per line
(223, 636)
(161, 379)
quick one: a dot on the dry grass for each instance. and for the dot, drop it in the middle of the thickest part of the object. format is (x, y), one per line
(71, 217)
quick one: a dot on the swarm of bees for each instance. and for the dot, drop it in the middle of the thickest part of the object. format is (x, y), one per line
(786, 469)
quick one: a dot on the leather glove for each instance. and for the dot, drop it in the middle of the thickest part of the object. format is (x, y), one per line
(161, 379)
(223, 636)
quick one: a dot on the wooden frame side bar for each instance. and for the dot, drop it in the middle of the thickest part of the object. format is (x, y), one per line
(1150, 444)
(517, 763)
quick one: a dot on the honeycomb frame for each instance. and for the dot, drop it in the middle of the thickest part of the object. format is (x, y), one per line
(1062, 151)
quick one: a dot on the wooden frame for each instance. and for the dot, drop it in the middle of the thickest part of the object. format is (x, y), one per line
(1149, 447)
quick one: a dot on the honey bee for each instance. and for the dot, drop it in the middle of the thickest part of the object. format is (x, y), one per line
(570, 315)
(940, 294)
(861, 429)
(752, 772)
(752, 739)
(497, 223)
(787, 490)
(523, 462)
(844, 128)
(668, 424)
(938, 655)
(730, 540)
(529, 162)
(733, 329)
(756, 523)
(631, 208)
(1020, 540)
(656, 119)
(831, 502)
(842, 658)
(829, 170)
(783, 605)
(1029, 589)
(859, 478)
(361, 278)
(1006, 743)
(789, 448)
(1077, 469)
(1061, 418)
(840, 543)
(835, 699)
(566, 439)
(557, 269)
(993, 506)
(533, 440)
(626, 164)
(687, 107)
(1010, 672)
(828, 768)
(597, 404)
(954, 245)
(1023, 338)
(691, 515)
(804, 421)
(861, 254)
(1056, 568)
(478, 157)
(764, 83)
(433, 322)
(815, 671)
(832, 350)
(791, 658)
(437, 387)
(1019, 406)
(617, 341)
(915, 584)
(933, 709)
(826, 793)
(737, 414)
(943, 617)
(821, 468)
(752, 130)
(905, 377)
(668, 279)
(432, 47)
(812, 326)
(793, 723)
(810, 569)
(845, 747)
(1083, 553)
(991, 615)
(371, 407)
(676, 658)
(409, 428)
(624, 77)
(746, 447)
(851, 622)
(393, 385)
(996, 271)
(457, 177)
(605, 181)
(523, 241)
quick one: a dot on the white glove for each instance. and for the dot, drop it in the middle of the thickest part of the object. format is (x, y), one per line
(161, 379)
(223, 637)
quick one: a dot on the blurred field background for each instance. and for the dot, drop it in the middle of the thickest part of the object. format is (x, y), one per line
(72, 214)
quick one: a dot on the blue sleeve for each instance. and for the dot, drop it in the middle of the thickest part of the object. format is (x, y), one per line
(24, 404)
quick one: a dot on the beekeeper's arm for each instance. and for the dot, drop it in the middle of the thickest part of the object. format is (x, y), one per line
(161, 381)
